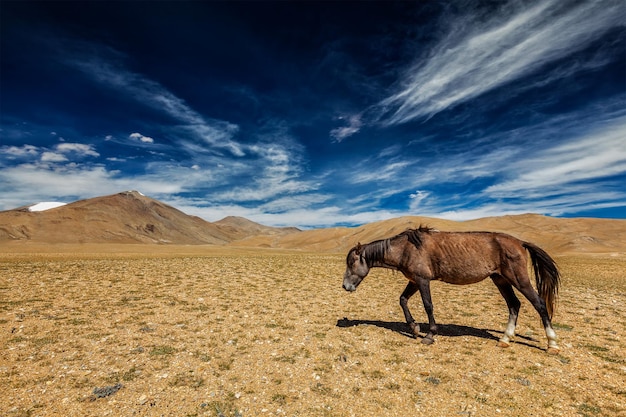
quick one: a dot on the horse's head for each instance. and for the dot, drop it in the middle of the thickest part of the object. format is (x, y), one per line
(356, 268)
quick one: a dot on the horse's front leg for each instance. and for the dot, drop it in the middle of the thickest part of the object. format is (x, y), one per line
(408, 292)
(424, 287)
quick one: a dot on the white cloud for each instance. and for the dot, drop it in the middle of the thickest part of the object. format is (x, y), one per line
(476, 57)
(59, 154)
(304, 217)
(35, 182)
(28, 183)
(20, 151)
(78, 148)
(141, 138)
(416, 199)
(354, 125)
(489, 210)
(53, 157)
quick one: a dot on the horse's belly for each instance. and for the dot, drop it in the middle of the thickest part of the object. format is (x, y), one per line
(462, 280)
(470, 274)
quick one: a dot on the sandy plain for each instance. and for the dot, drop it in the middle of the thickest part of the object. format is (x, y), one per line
(212, 331)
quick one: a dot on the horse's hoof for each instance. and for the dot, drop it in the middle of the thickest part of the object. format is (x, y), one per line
(427, 341)
(503, 344)
(552, 350)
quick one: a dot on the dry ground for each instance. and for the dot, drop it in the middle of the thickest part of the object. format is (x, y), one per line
(246, 333)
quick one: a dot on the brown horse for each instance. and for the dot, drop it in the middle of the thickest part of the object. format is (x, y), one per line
(424, 255)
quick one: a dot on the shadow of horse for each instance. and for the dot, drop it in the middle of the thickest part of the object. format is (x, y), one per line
(447, 330)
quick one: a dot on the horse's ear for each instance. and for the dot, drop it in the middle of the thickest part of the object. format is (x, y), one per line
(358, 248)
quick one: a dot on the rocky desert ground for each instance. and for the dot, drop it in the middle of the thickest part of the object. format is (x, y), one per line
(205, 330)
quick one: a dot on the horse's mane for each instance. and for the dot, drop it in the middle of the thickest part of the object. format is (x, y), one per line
(376, 251)
(415, 235)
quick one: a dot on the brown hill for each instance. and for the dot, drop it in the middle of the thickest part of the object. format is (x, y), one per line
(127, 217)
(556, 235)
(239, 228)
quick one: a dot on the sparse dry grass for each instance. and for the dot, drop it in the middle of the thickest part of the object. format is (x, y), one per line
(251, 333)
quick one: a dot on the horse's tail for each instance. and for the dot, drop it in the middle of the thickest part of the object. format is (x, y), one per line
(546, 275)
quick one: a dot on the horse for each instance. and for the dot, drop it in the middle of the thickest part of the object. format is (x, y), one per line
(423, 255)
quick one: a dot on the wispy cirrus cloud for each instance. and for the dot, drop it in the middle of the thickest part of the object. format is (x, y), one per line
(556, 206)
(599, 154)
(386, 166)
(535, 173)
(478, 56)
(274, 172)
(104, 66)
(546, 168)
(266, 165)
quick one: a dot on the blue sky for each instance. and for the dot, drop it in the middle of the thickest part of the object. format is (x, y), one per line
(316, 114)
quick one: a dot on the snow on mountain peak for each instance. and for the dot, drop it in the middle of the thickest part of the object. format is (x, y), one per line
(47, 205)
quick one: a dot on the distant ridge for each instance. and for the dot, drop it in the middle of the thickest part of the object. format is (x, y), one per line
(131, 217)
(556, 235)
(240, 227)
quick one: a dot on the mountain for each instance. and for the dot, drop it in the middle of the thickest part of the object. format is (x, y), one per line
(131, 217)
(126, 217)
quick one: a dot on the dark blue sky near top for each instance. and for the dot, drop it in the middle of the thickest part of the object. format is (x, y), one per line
(317, 114)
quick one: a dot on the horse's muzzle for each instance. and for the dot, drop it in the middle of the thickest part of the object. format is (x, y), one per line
(349, 287)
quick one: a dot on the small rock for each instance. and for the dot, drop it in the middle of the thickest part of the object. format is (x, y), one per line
(105, 391)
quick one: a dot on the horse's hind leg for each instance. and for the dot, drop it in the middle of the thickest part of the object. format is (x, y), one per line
(540, 305)
(513, 304)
